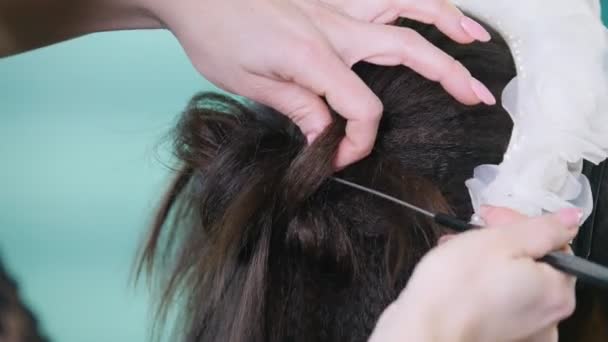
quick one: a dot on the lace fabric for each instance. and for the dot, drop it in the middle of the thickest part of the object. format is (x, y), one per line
(558, 103)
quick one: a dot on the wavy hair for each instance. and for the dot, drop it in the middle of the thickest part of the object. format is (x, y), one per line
(254, 242)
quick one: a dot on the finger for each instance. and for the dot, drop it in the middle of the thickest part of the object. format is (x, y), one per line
(538, 236)
(495, 216)
(446, 17)
(443, 14)
(391, 45)
(327, 75)
(305, 108)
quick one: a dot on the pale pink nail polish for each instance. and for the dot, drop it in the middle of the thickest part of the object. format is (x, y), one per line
(475, 30)
(571, 217)
(482, 92)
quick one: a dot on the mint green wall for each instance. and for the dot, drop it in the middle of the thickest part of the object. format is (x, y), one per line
(79, 177)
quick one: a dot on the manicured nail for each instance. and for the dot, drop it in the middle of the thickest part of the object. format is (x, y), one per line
(570, 217)
(475, 30)
(482, 92)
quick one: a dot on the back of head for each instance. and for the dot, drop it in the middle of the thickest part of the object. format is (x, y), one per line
(254, 242)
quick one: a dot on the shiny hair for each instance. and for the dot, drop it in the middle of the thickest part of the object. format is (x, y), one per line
(254, 242)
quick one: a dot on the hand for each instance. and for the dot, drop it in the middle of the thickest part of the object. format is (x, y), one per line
(504, 218)
(284, 53)
(485, 285)
(289, 53)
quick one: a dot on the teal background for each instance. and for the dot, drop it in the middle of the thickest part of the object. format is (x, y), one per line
(80, 174)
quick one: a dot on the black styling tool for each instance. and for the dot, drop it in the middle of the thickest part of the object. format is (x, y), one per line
(586, 271)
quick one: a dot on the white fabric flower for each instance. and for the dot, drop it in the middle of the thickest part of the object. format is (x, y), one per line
(558, 103)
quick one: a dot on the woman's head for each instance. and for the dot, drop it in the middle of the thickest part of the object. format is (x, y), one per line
(254, 242)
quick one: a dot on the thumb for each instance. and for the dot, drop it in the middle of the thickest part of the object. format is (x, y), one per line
(496, 216)
(538, 236)
(306, 109)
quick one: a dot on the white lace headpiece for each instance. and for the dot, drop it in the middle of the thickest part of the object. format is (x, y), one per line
(558, 103)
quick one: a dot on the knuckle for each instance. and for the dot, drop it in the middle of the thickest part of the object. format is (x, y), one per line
(254, 89)
(364, 148)
(408, 37)
(436, 8)
(315, 115)
(452, 67)
(409, 42)
(307, 52)
(298, 111)
(375, 109)
(350, 57)
(369, 109)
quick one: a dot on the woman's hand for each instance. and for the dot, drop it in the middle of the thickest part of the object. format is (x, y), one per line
(288, 54)
(485, 285)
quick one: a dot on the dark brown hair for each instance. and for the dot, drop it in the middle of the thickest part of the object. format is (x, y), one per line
(254, 242)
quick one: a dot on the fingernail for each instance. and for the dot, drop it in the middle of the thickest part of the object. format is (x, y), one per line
(475, 30)
(482, 92)
(570, 217)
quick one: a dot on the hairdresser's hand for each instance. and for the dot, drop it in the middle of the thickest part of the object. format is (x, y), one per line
(506, 218)
(485, 285)
(289, 54)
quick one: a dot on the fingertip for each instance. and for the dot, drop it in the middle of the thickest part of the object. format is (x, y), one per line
(475, 30)
(482, 92)
(550, 232)
(570, 217)
(447, 17)
(348, 153)
(360, 134)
